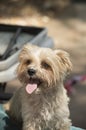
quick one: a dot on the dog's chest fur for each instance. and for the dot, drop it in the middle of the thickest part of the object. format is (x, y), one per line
(44, 109)
(39, 105)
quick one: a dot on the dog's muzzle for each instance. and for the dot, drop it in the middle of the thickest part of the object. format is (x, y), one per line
(31, 72)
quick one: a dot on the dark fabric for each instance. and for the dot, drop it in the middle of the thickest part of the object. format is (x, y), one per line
(5, 122)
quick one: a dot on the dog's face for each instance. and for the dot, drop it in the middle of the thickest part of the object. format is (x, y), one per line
(42, 68)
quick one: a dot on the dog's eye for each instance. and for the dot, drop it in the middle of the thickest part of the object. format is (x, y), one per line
(45, 65)
(28, 62)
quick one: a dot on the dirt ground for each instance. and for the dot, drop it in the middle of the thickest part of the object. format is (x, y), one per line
(68, 30)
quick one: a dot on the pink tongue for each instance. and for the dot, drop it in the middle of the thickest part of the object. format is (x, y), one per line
(31, 87)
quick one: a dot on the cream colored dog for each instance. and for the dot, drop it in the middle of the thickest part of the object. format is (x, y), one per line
(41, 103)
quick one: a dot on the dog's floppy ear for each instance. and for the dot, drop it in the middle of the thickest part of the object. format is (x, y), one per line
(26, 50)
(64, 60)
(23, 53)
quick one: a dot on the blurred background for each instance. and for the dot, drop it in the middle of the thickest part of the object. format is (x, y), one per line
(66, 24)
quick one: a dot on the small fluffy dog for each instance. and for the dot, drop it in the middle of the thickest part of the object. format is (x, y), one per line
(41, 103)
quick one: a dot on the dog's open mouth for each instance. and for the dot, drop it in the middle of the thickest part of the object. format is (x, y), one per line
(32, 85)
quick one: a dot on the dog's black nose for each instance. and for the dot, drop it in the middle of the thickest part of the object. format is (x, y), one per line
(31, 72)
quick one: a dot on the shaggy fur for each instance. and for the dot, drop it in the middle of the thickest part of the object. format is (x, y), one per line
(46, 108)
